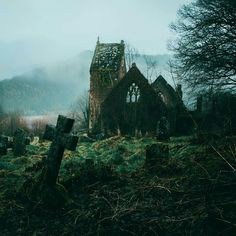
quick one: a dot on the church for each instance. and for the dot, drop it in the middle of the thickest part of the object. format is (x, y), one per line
(124, 102)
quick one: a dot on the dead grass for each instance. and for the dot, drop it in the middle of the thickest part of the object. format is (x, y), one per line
(191, 193)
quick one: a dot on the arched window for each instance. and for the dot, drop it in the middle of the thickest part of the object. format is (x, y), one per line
(133, 94)
(160, 94)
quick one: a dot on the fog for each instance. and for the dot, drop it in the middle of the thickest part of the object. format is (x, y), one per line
(46, 47)
(41, 32)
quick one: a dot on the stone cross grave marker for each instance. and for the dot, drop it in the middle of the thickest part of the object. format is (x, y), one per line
(20, 140)
(61, 140)
(3, 145)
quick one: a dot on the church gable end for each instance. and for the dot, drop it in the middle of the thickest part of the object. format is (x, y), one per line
(132, 106)
(171, 98)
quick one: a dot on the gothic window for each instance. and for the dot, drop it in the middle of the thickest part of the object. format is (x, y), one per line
(133, 94)
(160, 94)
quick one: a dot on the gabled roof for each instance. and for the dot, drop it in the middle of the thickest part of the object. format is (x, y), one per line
(108, 56)
(171, 97)
(159, 80)
(134, 75)
(161, 83)
(145, 112)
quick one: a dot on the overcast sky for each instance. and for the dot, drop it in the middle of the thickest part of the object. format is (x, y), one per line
(38, 32)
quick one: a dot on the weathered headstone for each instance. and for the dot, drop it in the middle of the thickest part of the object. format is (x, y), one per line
(3, 149)
(20, 140)
(4, 139)
(3, 145)
(163, 129)
(61, 140)
(156, 154)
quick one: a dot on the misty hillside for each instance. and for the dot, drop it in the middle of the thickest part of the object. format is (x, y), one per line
(54, 88)
(45, 89)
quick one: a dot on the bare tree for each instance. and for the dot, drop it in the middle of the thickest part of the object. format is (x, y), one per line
(80, 112)
(151, 67)
(131, 55)
(38, 126)
(206, 44)
(9, 122)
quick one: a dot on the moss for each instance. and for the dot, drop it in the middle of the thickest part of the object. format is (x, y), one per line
(23, 160)
(111, 194)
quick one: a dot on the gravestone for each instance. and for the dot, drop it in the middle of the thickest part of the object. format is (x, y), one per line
(4, 139)
(156, 154)
(163, 129)
(3, 145)
(20, 140)
(61, 140)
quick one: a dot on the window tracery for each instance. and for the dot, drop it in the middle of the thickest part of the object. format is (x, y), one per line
(133, 94)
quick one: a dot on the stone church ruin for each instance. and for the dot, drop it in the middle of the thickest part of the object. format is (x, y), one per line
(122, 102)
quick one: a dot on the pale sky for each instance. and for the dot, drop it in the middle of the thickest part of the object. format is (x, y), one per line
(38, 32)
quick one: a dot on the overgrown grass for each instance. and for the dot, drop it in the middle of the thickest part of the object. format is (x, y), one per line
(112, 193)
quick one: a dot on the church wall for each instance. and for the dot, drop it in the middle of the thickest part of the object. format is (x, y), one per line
(101, 84)
(105, 74)
(118, 115)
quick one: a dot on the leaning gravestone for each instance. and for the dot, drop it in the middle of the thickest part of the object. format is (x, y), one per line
(20, 140)
(61, 140)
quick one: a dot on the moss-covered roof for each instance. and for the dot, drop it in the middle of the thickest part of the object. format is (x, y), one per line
(108, 56)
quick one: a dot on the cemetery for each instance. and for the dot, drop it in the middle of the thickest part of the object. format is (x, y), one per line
(148, 149)
(121, 185)
(145, 165)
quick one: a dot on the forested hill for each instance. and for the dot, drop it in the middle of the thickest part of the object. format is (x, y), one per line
(54, 88)
(47, 89)
(34, 96)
